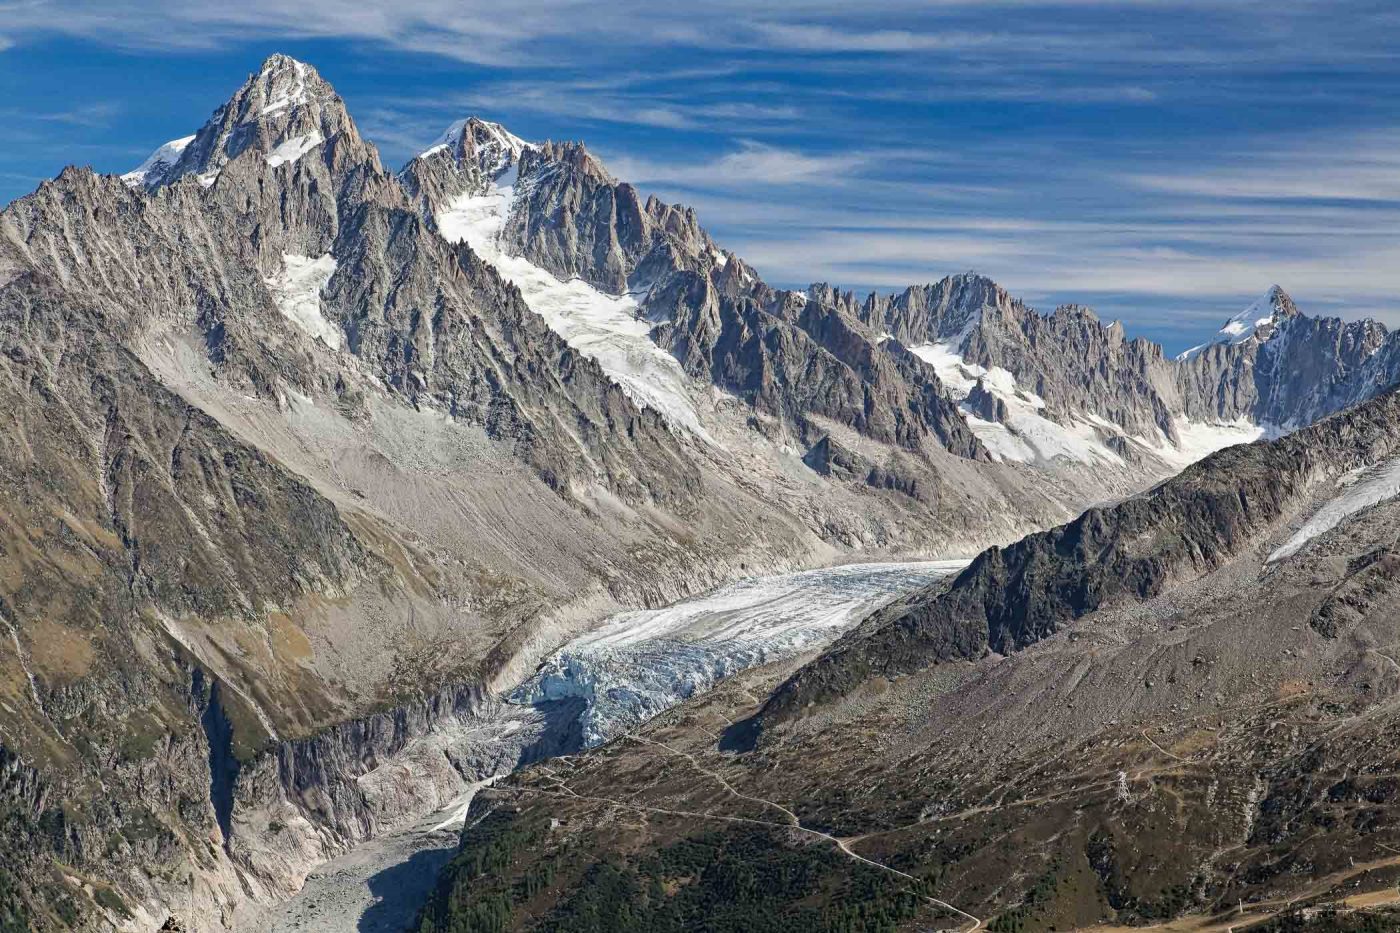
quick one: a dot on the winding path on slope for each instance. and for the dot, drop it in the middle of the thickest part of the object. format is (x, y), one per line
(792, 821)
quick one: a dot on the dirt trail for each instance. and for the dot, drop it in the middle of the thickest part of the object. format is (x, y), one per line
(791, 822)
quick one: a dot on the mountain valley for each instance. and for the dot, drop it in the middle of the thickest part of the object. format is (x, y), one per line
(336, 497)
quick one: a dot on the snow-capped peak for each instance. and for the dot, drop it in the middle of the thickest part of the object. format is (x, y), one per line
(157, 165)
(490, 145)
(1266, 310)
(282, 112)
(1266, 313)
(483, 132)
(280, 62)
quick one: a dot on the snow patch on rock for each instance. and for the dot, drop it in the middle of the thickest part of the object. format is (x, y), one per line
(290, 150)
(1361, 490)
(297, 291)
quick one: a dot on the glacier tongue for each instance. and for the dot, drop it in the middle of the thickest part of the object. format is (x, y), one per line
(638, 664)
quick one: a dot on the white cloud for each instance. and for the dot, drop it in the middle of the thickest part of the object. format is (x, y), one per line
(620, 100)
(1005, 35)
(1356, 167)
(831, 39)
(87, 115)
(752, 164)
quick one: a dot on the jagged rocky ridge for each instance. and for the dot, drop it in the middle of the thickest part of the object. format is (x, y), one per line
(1010, 598)
(1103, 399)
(1271, 367)
(787, 356)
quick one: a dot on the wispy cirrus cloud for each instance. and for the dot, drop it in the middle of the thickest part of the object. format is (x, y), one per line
(1361, 167)
(94, 115)
(752, 164)
(827, 38)
(537, 31)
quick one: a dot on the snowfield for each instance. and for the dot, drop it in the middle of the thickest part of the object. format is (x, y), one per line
(1200, 439)
(157, 163)
(605, 328)
(1361, 491)
(297, 292)
(1029, 437)
(638, 664)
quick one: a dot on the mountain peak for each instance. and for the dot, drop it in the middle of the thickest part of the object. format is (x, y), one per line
(1274, 306)
(1281, 302)
(490, 146)
(283, 111)
(282, 82)
(481, 132)
(279, 62)
(1255, 322)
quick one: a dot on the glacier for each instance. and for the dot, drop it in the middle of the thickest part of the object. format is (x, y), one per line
(639, 664)
(607, 328)
(1028, 436)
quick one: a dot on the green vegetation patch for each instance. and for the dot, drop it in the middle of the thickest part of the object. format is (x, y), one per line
(741, 880)
(1040, 896)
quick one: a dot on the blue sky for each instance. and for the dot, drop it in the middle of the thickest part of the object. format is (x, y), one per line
(1161, 161)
